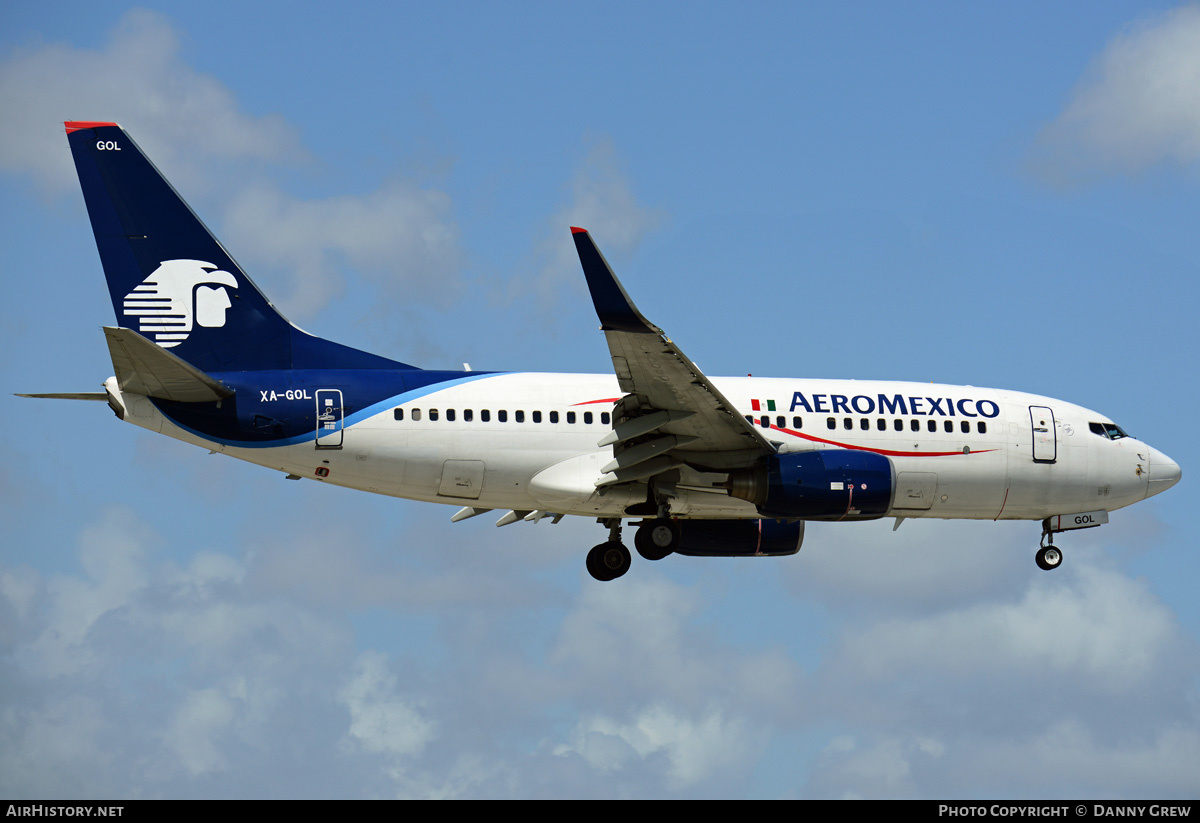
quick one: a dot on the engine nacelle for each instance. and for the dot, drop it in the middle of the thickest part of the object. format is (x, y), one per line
(827, 484)
(738, 538)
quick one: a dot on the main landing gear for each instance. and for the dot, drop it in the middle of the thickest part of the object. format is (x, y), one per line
(654, 540)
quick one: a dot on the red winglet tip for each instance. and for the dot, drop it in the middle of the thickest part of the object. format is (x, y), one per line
(577, 230)
(76, 125)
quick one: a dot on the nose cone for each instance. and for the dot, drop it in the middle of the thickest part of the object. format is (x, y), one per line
(1164, 473)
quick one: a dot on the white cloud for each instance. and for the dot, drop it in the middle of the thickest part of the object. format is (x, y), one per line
(183, 118)
(381, 720)
(883, 769)
(696, 748)
(1066, 758)
(601, 200)
(113, 554)
(401, 237)
(647, 625)
(924, 566)
(1097, 625)
(40, 742)
(1138, 105)
(1081, 680)
(187, 676)
(205, 715)
(179, 666)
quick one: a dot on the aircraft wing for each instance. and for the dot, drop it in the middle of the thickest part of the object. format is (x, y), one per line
(671, 413)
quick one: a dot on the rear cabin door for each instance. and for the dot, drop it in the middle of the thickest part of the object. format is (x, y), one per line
(329, 418)
(1045, 437)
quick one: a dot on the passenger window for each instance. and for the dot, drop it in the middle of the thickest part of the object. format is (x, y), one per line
(537, 417)
(982, 427)
(750, 420)
(468, 415)
(797, 423)
(966, 427)
(881, 424)
(781, 421)
(520, 415)
(915, 425)
(450, 415)
(898, 424)
(765, 422)
(949, 426)
(502, 415)
(433, 414)
(931, 425)
(485, 416)
(398, 414)
(847, 424)
(587, 418)
(864, 424)
(832, 423)
(570, 417)
(605, 418)
(553, 417)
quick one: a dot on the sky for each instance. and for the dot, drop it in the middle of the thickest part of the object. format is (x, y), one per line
(988, 194)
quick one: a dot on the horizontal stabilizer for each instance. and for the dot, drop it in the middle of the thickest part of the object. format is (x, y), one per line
(146, 368)
(75, 395)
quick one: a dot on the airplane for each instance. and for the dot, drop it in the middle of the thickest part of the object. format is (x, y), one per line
(699, 466)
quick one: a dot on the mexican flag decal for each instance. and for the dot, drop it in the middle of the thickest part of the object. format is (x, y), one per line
(757, 405)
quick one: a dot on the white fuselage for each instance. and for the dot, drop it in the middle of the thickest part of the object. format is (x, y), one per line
(957, 452)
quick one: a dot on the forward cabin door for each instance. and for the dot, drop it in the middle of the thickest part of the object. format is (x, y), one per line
(1045, 437)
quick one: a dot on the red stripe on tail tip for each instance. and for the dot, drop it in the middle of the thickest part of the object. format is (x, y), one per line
(577, 230)
(76, 125)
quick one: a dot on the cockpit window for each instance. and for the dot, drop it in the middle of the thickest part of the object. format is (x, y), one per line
(1110, 430)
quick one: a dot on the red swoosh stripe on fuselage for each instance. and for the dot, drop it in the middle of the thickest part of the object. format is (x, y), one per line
(886, 452)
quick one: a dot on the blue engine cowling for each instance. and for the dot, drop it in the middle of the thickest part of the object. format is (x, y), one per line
(827, 484)
(738, 538)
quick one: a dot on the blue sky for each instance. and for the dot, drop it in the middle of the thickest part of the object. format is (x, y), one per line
(963, 193)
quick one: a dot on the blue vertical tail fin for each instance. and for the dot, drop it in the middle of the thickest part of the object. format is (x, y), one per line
(172, 281)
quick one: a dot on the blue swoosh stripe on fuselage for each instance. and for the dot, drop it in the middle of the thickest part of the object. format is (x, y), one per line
(178, 414)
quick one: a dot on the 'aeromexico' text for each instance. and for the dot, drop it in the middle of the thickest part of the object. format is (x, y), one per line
(894, 404)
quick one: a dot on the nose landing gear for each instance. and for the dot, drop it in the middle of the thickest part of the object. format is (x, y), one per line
(1049, 557)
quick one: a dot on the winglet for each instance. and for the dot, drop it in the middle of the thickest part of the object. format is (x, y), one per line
(613, 306)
